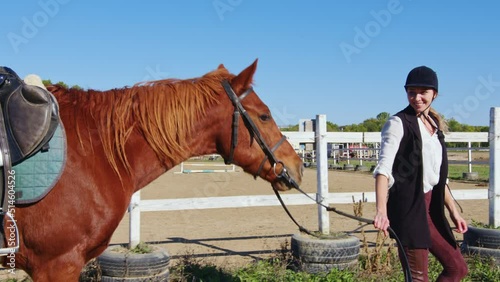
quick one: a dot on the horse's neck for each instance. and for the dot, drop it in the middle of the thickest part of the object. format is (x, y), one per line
(203, 142)
(146, 165)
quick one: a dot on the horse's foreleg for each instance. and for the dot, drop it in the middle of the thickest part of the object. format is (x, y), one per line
(65, 269)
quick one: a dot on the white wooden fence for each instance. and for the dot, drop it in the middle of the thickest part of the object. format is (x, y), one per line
(321, 138)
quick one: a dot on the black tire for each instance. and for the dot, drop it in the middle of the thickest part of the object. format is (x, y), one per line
(482, 252)
(161, 277)
(482, 237)
(325, 251)
(315, 268)
(125, 264)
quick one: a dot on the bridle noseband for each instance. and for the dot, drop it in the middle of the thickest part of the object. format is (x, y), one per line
(239, 110)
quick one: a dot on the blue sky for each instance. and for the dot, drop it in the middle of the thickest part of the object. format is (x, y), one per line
(345, 59)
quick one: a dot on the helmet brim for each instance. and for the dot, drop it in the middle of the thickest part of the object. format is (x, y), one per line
(420, 85)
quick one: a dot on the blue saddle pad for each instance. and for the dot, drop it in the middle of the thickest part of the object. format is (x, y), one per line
(36, 176)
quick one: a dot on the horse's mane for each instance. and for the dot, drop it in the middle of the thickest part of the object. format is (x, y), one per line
(164, 111)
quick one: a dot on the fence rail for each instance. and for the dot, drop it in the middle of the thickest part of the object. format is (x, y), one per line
(271, 200)
(296, 138)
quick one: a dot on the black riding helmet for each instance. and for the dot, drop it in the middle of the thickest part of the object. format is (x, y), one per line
(422, 77)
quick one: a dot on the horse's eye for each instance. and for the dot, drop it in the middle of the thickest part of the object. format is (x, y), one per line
(265, 117)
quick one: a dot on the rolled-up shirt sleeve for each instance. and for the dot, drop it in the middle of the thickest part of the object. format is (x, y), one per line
(392, 133)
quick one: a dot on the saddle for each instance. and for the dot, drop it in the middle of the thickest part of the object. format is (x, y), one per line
(30, 116)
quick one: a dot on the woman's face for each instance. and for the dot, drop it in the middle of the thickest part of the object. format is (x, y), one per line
(420, 98)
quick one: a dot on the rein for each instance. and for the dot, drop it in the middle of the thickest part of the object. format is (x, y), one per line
(239, 110)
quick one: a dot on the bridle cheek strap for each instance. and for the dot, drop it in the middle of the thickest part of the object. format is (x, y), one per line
(254, 132)
(261, 166)
(236, 118)
(234, 137)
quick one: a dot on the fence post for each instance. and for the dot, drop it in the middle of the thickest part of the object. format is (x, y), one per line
(494, 189)
(469, 156)
(361, 154)
(322, 173)
(134, 220)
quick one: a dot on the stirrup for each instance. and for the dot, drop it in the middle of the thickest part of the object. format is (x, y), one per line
(14, 249)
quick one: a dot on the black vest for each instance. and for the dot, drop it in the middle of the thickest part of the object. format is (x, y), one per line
(406, 203)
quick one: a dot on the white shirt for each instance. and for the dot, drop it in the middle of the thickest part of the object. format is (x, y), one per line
(392, 133)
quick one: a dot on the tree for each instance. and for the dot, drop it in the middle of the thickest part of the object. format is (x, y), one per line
(383, 116)
(62, 84)
(454, 126)
(376, 125)
(290, 128)
(372, 125)
(332, 127)
(46, 82)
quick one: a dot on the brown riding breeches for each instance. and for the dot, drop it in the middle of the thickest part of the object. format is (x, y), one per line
(454, 266)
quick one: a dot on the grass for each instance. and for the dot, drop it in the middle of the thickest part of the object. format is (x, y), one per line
(374, 265)
(455, 172)
(478, 224)
(142, 248)
(277, 269)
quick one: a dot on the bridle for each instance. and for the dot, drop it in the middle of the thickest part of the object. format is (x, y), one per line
(239, 110)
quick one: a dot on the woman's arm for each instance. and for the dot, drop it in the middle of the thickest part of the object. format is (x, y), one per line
(449, 202)
(392, 133)
(381, 221)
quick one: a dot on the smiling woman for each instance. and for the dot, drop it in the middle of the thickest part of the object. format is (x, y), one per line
(411, 183)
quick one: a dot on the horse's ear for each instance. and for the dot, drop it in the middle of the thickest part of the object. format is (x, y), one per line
(243, 80)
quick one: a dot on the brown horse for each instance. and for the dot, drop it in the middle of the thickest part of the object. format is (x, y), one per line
(122, 139)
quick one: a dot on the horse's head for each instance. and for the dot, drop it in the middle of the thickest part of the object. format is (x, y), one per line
(250, 137)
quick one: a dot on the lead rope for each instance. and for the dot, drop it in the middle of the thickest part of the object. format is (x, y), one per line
(405, 263)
